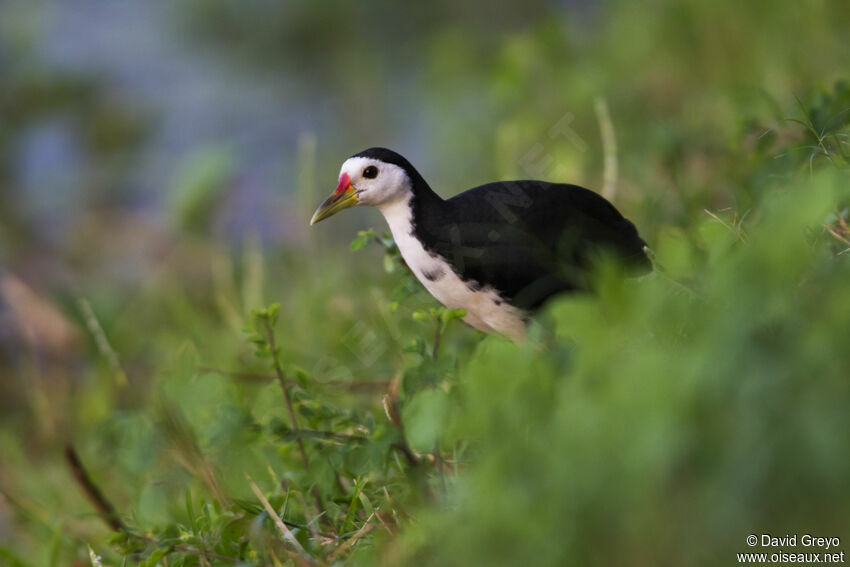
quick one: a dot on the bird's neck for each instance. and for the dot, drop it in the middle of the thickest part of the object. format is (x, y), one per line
(399, 216)
(409, 211)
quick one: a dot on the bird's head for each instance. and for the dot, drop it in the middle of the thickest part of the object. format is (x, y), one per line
(375, 177)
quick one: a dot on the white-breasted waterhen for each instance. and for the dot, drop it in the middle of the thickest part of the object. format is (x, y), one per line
(498, 250)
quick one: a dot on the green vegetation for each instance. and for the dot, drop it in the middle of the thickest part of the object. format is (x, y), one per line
(305, 402)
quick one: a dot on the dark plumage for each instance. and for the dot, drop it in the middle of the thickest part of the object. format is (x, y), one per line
(498, 250)
(527, 239)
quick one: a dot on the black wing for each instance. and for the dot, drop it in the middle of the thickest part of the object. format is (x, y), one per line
(529, 239)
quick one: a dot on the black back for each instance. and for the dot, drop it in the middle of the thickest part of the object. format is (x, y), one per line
(527, 239)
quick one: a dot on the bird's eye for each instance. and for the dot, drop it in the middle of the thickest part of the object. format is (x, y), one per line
(370, 172)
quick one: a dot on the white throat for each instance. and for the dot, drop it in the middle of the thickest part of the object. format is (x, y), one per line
(399, 215)
(485, 309)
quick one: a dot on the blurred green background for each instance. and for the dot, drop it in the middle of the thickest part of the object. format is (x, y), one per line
(159, 163)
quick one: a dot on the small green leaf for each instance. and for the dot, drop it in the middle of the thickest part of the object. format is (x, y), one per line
(352, 506)
(424, 418)
(155, 557)
(273, 310)
(389, 263)
(421, 316)
(363, 238)
(449, 315)
(190, 511)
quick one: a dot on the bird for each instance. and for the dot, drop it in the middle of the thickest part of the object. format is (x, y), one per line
(498, 251)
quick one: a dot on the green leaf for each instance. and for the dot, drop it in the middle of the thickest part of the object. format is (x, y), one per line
(390, 263)
(155, 557)
(421, 315)
(190, 512)
(424, 418)
(364, 237)
(352, 506)
(273, 310)
(449, 315)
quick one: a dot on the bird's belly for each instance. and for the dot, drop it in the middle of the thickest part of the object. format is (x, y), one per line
(486, 310)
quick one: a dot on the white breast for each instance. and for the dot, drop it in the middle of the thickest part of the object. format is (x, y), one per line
(485, 309)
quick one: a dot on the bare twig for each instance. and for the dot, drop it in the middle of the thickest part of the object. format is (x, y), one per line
(107, 512)
(104, 507)
(103, 345)
(347, 544)
(386, 526)
(394, 505)
(736, 231)
(835, 234)
(301, 557)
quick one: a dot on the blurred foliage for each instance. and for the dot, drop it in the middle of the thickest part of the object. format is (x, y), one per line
(155, 412)
(199, 186)
(676, 422)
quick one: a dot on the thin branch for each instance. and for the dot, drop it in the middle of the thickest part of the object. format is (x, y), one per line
(836, 235)
(104, 507)
(365, 529)
(301, 557)
(289, 408)
(394, 506)
(739, 234)
(383, 522)
(279, 373)
(107, 512)
(102, 343)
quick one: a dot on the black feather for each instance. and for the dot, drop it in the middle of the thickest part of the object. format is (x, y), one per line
(526, 239)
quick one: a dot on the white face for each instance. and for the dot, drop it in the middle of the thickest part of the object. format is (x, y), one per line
(377, 183)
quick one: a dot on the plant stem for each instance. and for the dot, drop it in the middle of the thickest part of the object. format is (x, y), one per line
(301, 556)
(104, 507)
(438, 462)
(110, 517)
(279, 373)
(294, 421)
